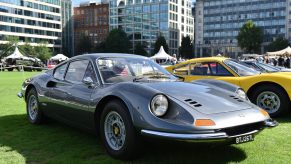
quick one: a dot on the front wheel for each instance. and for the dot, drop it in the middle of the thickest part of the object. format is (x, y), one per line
(34, 113)
(117, 132)
(271, 98)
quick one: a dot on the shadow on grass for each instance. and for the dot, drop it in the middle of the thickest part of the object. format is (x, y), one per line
(58, 143)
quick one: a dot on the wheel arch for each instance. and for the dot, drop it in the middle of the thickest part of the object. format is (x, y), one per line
(252, 89)
(100, 107)
(28, 88)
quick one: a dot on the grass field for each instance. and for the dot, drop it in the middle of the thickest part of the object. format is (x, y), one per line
(21, 142)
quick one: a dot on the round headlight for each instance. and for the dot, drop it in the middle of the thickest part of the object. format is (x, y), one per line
(241, 93)
(159, 105)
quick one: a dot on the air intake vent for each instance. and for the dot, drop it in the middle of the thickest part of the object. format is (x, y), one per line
(193, 103)
(236, 98)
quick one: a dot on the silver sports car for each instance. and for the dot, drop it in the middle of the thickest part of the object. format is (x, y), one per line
(125, 97)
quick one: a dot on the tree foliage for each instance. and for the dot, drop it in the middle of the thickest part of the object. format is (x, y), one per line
(84, 45)
(186, 49)
(139, 49)
(117, 42)
(279, 44)
(250, 37)
(43, 52)
(161, 41)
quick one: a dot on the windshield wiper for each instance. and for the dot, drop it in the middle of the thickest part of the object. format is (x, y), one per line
(138, 78)
(156, 75)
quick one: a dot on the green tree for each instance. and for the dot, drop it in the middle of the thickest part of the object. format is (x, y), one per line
(43, 52)
(139, 49)
(100, 47)
(250, 37)
(161, 41)
(85, 45)
(279, 44)
(117, 42)
(186, 49)
(27, 50)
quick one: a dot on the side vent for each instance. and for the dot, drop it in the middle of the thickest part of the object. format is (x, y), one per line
(236, 98)
(193, 103)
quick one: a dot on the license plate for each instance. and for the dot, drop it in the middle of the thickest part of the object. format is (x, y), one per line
(243, 139)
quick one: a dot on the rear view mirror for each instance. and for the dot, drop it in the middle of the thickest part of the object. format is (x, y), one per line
(88, 81)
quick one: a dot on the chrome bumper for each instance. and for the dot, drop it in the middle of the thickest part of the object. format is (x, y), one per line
(20, 95)
(219, 136)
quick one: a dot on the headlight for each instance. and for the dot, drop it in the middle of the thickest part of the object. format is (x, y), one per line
(159, 105)
(241, 93)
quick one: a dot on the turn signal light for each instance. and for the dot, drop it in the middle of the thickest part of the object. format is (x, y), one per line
(266, 114)
(204, 122)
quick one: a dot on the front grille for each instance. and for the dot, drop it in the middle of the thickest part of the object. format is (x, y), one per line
(232, 131)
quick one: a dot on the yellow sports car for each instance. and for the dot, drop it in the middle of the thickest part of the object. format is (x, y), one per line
(270, 91)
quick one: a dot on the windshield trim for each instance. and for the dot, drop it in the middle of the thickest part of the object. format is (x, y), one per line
(233, 60)
(230, 67)
(132, 57)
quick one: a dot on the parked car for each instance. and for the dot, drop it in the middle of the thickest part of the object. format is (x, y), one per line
(126, 97)
(270, 91)
(266, 68)
(28, 64)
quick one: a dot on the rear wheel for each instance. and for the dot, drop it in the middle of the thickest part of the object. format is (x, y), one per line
(34, 113)
(271, 98)
(117, 131)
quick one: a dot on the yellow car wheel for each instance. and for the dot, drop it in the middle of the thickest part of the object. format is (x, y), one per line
(271, 98)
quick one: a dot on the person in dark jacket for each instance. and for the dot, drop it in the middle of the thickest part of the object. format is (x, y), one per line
(281, 61)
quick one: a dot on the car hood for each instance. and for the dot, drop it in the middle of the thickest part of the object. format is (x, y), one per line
(201, 97)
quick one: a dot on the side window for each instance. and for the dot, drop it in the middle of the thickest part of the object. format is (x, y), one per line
(201, 69)
(181, 70)
(218, 70)
(60, 72)
(90, 72)
(76, 71)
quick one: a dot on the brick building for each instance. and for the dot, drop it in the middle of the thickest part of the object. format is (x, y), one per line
(91, 19)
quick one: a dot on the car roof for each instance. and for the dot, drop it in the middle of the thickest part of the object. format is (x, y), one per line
(206, 59)
(101, 55)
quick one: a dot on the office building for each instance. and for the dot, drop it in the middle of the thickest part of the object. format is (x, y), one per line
(32, 21)
(145, 20)
(91, 19)
(67, 28)
(218, 23)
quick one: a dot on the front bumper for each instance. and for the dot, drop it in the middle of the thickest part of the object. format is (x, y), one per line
(219, 136)
(205, 137)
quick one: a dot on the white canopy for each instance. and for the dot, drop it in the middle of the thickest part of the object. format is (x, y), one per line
(162, 55)
(15, 55)
(286, 51)
(59, 57)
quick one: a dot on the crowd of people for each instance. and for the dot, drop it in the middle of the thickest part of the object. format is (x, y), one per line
(282, 61)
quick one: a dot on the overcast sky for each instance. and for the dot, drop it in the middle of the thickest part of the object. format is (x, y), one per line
(77, 2)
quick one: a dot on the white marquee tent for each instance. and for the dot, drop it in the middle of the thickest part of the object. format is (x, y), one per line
(15, 55)
(286, 51)
(59, 57)
(162, 55)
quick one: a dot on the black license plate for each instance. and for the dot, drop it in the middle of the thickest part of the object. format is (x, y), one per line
(243, 139)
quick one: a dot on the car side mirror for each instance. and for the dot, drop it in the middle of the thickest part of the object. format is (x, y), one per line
(180, 77)
(88, 81)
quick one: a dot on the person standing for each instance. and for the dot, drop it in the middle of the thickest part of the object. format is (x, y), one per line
(280, 61)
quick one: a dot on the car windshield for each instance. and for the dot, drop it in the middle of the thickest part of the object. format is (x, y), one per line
(268, 68)
(240, 69)
(117, 69)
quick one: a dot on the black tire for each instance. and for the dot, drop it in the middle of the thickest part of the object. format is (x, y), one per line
(129, 150)
(281, 93)
(38, 119)
(10, 69)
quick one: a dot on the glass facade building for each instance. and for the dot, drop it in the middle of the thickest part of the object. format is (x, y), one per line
(67, 28)
(33, 21)
(145, 20)
(218, 23)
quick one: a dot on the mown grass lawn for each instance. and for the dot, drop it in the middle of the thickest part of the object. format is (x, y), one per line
(21, 142)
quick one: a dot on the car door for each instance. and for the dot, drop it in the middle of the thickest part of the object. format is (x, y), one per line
(57, 92)
(205, 70)
(82, 77)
